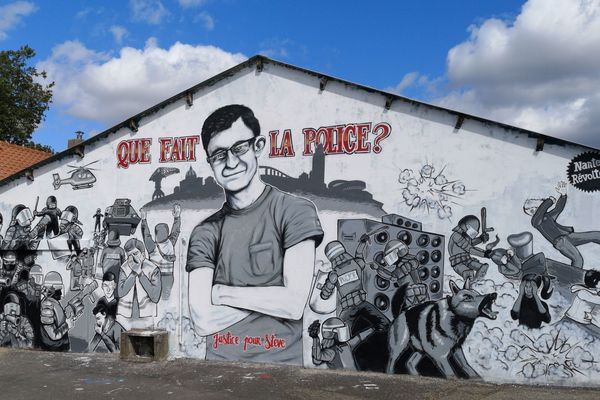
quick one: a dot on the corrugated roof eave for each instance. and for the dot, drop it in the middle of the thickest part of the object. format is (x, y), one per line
(261, 60)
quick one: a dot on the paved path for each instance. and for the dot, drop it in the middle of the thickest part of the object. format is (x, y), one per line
(39, 375)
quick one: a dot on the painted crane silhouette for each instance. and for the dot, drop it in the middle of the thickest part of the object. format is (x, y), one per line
(159, 174)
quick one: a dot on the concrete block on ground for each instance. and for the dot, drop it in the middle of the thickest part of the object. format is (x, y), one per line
(144, 345)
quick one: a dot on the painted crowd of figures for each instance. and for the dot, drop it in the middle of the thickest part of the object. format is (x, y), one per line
(120, 282)
(426, 336)
(250, 272)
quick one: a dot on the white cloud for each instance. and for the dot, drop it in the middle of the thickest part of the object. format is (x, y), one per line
(406, 81)
(415, 79)
(118, 33)
(108, 89)
(191, 3)
(149, 11)
(205, 20)
(540, 71)
(12, 13)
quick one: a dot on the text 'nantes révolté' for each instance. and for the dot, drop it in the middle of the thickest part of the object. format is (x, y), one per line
(354, 138)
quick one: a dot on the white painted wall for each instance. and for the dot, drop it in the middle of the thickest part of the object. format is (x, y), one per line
(499, 168)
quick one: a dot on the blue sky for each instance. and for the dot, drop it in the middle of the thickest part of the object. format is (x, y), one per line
(527, 63)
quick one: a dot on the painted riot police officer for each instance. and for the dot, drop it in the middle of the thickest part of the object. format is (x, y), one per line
(346, 276)
(337, 347)
(9, 265)
(15, 329)
(400, 268)
(70, 224)
(462, 246)
(18, 235)
(54, 332)
(49, 224)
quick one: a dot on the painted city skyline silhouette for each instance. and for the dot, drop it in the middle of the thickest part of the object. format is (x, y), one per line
(339, 194)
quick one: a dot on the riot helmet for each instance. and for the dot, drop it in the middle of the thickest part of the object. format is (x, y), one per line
(22, 215)
(70, 215)
(9, 259)
(36, 274)
(51, 202)
(12, 305)
(53, 280)
(470, 225)
(334, 328)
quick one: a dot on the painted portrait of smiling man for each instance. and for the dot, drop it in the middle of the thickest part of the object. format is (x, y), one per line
(251, 263)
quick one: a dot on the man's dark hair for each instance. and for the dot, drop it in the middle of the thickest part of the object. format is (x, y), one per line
(591, 278)
(101, 307)
(108, 277)
(222, 119)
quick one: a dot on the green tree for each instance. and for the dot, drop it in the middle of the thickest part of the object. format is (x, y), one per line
(23, 99)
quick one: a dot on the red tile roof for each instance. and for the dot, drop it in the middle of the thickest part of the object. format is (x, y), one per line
(15, 158)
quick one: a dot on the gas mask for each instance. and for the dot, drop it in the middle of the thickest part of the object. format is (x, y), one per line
(9, 266)
(24, 217)
(9, 261)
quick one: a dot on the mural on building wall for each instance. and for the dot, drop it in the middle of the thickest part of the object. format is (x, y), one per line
(430, 190)
(235, 274)
(81, 178)
(544, 213)
(438, 329)
(247, 246)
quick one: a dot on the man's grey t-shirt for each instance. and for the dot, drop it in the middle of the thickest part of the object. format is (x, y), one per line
(246, 248)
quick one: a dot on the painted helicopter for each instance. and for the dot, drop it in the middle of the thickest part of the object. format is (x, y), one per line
(81, 177)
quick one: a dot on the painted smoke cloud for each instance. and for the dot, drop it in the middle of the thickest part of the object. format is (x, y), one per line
(430, 191)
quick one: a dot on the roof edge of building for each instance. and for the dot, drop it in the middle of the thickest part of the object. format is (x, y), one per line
(261, 60)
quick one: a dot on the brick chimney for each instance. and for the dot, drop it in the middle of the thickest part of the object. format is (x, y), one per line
(78, 139)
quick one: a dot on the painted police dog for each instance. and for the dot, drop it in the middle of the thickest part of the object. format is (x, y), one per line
(437, 330)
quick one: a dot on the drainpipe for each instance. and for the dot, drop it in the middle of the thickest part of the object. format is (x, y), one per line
(182, 254)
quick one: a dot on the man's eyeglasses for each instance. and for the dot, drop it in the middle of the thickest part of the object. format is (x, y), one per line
(238, 149)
